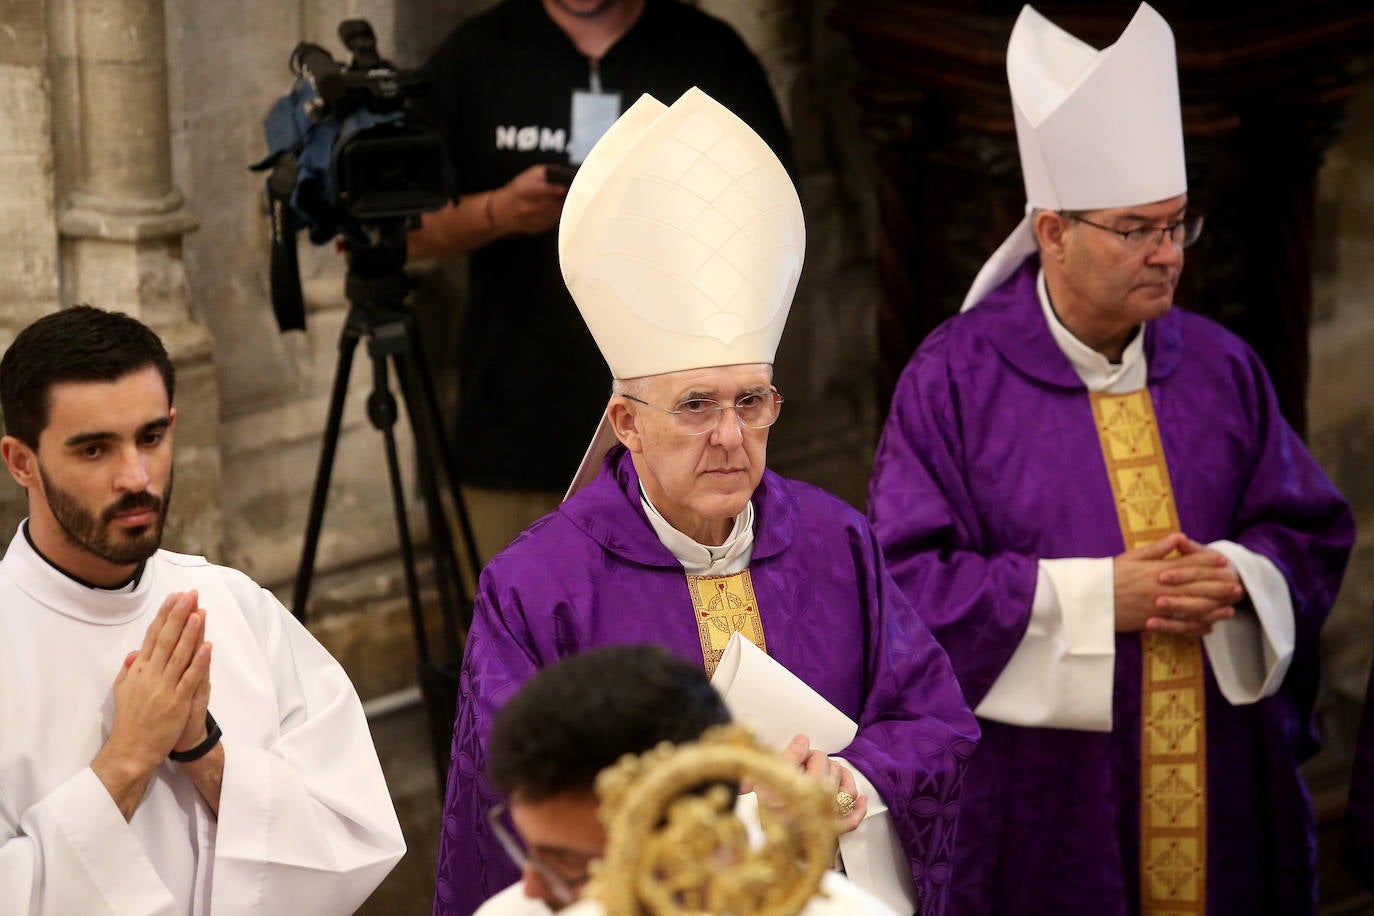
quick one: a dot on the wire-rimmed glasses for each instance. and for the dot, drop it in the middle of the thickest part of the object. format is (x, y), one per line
(562, 886)
(1182, 232)
(697, 416)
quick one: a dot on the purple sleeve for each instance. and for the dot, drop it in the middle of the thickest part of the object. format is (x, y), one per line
(496, 661)
(1291, 513)
(916, 733)
(975, 598)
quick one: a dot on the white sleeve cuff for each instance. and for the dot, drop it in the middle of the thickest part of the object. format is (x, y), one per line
(1060, 676)
(1250, 654)
(872, 853)
(91, 854)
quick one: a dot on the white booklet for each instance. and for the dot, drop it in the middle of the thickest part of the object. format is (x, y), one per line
(774, 703)
(777, 705)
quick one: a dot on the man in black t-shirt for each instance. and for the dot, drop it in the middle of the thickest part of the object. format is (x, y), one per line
(527, 85)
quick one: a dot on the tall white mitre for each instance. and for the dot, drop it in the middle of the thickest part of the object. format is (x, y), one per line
(681, 242)
(1095, 129)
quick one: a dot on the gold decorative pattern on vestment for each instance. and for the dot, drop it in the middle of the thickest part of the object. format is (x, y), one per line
(724, 606)
(1173, 739)
(674, 846)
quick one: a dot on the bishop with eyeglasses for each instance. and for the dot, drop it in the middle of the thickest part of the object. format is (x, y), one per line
(681, 242)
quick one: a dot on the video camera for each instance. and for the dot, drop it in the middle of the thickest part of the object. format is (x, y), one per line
(351, 155)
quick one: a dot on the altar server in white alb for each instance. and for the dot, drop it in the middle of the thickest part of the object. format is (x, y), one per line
(171, 739)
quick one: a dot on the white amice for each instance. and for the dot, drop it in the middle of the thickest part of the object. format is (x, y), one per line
(513, 902)
(305, 823)
(836, 897)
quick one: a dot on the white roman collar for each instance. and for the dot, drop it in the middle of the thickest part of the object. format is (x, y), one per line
(699, 559)
(51, 588)
(1094, 369)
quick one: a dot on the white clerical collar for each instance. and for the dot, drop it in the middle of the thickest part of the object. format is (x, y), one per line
(52, 588)
(1095, 371)
(699, 559)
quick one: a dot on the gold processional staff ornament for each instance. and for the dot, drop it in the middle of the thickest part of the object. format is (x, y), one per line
(675, 846)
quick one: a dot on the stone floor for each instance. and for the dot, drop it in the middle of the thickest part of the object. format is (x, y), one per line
(403, 745)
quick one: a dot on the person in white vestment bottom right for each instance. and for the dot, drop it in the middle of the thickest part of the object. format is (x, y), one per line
(554, 737)
(172, 740)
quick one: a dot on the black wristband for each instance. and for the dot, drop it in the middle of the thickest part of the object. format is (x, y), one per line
(212, 736)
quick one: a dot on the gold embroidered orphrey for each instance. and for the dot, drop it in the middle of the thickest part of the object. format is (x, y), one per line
(724, 606)
(1173, 740)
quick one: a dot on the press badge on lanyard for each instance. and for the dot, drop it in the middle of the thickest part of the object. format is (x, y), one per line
(593, 113)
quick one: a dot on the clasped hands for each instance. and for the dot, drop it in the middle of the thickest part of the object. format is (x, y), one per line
(160, 697)
(1174, 585)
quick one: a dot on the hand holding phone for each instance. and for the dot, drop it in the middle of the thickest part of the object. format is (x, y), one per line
(559, 173)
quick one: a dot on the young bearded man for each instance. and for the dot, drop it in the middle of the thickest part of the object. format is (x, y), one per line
(171, 739)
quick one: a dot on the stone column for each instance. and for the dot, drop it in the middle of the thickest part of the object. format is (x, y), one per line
(121, 220)
(28, 222)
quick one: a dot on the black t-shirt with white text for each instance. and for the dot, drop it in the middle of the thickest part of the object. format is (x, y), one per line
(533, 382)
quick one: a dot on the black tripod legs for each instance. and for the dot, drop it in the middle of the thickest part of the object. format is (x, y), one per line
(348, 343)
(393, 341)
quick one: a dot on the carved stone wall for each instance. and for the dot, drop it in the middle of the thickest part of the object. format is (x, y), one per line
(28, 214)
(91, 212)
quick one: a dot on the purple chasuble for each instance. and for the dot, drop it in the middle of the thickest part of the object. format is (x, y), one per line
(990, 460)
(594, 573)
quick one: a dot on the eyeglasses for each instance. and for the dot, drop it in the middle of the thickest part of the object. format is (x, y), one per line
(1144, 239)
(696, 416)
(563, 887)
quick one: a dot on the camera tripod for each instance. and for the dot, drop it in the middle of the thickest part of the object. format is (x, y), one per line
(376, 288)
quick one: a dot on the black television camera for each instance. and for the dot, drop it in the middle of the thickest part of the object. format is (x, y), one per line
(353, 158)
(351, 155)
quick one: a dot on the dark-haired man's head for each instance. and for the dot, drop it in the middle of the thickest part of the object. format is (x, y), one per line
(566, 725)
(87, 402)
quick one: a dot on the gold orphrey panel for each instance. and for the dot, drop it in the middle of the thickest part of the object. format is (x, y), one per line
(1173, 740)
(724, 605)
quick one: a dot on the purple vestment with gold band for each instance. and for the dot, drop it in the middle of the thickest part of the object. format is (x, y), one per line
(594, 573)
(990, 460)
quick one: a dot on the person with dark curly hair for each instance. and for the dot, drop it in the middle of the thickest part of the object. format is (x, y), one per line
(555, 736)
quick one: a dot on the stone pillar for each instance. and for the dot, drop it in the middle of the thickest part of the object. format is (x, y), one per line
(121, 220)
(28, 222)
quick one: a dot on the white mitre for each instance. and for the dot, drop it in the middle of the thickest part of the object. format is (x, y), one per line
(1095, 129)
(681, 242)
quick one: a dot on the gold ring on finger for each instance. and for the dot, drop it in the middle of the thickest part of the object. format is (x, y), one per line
(844, 802)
